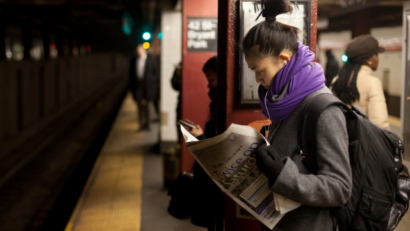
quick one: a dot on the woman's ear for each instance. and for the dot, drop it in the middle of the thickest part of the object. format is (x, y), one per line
(286, 57)
(369, 61)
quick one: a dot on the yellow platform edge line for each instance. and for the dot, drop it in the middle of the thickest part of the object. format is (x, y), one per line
(139, 200)
(69, 225)
(140, 167)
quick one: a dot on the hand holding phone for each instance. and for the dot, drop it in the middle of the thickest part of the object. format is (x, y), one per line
(185, 123)
(195, 130)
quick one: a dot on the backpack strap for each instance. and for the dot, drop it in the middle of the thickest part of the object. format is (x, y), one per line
(307, 134)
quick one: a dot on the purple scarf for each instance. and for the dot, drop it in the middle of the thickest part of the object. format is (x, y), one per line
(305, 78)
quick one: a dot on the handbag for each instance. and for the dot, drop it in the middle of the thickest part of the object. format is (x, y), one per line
(181, 192)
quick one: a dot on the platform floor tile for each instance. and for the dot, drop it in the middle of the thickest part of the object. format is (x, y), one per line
(125, 190)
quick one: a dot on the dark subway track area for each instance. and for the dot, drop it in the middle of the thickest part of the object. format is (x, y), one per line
(42, 194)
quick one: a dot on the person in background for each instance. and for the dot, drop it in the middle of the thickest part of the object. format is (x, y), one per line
(209, 196)
(289, 80)
(332, 67)
(176, 85)
(143, 77)
(210, 71)
(356, 84)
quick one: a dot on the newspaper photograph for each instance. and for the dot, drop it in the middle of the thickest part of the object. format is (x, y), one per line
(230, 162)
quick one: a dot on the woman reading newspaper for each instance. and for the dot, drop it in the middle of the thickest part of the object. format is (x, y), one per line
(288, 80)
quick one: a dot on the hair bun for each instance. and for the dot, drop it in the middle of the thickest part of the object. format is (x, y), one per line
(273, 8)
(270, 19)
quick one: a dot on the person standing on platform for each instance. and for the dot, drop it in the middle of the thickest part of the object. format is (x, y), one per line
(332, 67)
(208, 196)
(356, 84)
(289, 78)
(143, 78)
(176, 83)
(210, 70)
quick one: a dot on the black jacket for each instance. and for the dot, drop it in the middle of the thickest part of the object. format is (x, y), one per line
(332, 69)
(150, 81)
(209, 197)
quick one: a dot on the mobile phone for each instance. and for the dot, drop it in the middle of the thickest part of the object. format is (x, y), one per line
(186, 124)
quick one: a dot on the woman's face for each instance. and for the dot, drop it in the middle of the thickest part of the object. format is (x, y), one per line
(212, 78)
(265, 68)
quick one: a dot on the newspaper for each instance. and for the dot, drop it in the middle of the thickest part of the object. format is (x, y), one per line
(230, 162)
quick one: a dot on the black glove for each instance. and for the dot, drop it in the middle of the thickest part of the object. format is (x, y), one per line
(269, 162)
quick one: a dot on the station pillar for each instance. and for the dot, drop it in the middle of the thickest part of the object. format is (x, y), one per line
(2, 38)
(361, 22)
(46, 43)
(405, 98)
(60, 45)
(27, 35)
(194, 92)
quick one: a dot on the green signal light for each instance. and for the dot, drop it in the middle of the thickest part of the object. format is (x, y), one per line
(146, 36)
(344, 58)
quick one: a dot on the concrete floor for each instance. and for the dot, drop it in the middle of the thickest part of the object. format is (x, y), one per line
(155, 201)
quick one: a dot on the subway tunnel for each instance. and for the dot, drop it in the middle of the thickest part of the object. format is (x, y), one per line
(83, 148)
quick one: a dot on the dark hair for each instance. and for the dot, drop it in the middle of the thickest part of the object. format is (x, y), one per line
(271, 37)
(345, 86)
(329, 52)
(211, 64)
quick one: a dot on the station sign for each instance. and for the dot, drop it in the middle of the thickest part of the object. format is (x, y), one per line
(202, 34)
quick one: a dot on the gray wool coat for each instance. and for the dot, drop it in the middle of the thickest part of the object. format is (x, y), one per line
(330, 187)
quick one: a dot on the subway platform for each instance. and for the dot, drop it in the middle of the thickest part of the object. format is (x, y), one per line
(125, 189)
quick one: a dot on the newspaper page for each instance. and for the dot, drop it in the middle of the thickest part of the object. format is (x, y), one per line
(230, 162)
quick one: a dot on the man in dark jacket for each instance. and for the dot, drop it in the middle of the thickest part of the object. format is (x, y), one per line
(332, 67)
(176, 83)
(143, 80)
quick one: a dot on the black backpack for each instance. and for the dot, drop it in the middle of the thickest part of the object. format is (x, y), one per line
(381, 188)
(182, 195)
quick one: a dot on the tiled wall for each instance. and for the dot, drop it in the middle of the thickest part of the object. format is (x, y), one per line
(33, 94)
(390, 64)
